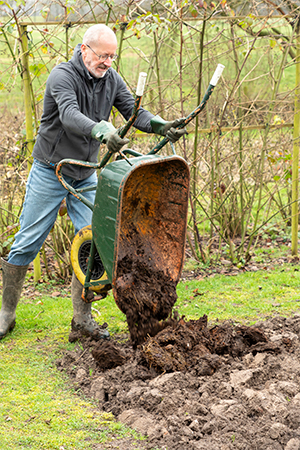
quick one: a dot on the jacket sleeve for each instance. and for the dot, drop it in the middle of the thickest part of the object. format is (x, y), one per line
(62, 89)
(124, 103)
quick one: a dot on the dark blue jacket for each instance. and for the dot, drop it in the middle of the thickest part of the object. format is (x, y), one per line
(74, 102)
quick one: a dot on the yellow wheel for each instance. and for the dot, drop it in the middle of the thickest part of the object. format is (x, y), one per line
(80, 251)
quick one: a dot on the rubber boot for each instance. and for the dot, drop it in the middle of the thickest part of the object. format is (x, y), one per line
(13, 278)
(82, 316)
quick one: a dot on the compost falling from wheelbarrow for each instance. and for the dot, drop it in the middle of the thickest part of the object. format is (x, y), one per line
(147, 252)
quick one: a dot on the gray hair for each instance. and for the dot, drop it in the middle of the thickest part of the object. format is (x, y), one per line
(95, 32)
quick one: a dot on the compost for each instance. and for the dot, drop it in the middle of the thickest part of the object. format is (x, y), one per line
(195, 386)
(146, 296)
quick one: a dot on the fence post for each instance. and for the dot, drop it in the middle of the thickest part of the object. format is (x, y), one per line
(296, 141)
(28, 120)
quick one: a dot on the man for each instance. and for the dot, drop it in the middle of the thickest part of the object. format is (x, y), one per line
(78, 100)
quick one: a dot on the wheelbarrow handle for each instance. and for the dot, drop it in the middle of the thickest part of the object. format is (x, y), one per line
(138, 99)
(76, 192)
(122, 132)
(193, 114)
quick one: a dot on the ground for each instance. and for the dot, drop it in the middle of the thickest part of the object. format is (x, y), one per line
(223, 387)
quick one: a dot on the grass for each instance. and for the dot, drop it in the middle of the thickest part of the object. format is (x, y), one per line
(38, 410)
(38, 407)
(243, 298)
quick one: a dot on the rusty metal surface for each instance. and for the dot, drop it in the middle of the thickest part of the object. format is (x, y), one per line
(153, 216)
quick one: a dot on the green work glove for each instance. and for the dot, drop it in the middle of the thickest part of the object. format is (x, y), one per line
(168, 129)
(107, 134)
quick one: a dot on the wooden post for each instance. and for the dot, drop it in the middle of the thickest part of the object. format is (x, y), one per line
(28, 120)
(296, 141)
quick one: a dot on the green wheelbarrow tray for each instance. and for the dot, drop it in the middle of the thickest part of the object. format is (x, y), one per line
(139, 219)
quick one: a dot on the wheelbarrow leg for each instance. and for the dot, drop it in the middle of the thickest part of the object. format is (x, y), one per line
(89, 270)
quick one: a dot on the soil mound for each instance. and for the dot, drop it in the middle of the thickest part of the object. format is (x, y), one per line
(191, 345)
(192, 386)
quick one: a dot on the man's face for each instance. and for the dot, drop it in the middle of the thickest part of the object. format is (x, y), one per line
(106, 47)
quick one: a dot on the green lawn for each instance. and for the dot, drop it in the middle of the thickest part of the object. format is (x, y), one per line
(38, 408)
(243, 298)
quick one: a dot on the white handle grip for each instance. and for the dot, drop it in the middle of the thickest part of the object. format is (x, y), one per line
(217, 74)
(141, 84)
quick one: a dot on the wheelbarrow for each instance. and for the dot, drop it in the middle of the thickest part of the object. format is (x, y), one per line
(139, 220)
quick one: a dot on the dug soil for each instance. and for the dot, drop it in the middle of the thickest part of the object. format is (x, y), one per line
(197, 387)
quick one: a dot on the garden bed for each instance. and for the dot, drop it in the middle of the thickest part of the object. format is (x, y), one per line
(198, 387)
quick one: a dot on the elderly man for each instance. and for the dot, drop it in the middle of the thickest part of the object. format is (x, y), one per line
(78, 100)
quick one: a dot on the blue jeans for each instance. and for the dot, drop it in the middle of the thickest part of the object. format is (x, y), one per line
(43, 197)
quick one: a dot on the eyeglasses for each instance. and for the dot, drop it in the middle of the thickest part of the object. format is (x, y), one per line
(103, 58)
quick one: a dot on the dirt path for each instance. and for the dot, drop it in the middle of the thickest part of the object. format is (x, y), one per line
(198, 387)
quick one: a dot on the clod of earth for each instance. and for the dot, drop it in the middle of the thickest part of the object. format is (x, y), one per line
(107, 355)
